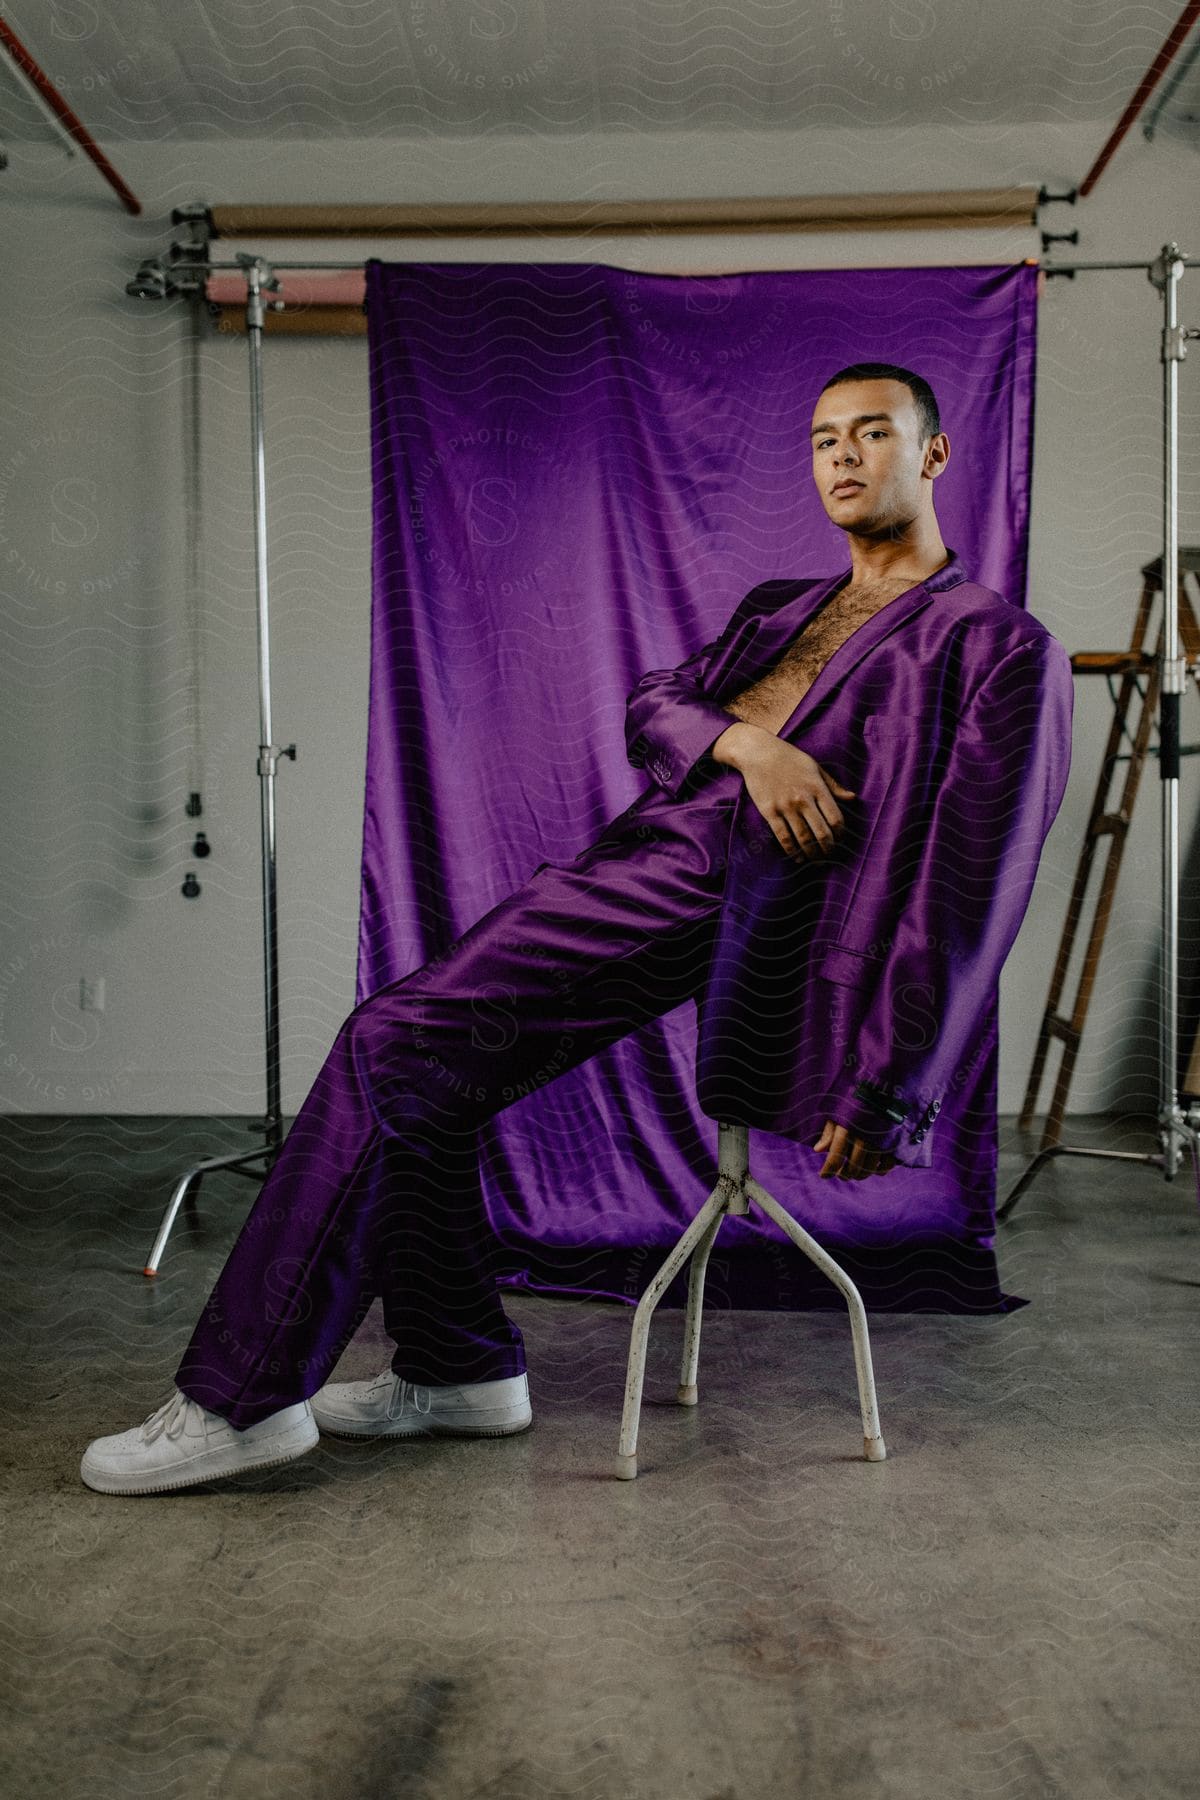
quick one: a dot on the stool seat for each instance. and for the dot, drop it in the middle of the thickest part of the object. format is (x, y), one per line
(735, 1188)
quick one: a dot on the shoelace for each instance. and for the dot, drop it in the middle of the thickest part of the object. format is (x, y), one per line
(170, 1417)
(402, 1392)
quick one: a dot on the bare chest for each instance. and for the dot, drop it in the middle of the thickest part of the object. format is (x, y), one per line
(772, 699)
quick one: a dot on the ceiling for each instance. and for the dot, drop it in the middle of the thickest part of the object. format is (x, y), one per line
(198, 69)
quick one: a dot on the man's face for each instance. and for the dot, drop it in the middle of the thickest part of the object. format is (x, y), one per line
(867, 433)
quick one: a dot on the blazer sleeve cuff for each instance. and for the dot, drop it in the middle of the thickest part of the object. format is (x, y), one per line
(695, 727)
(869, 1109)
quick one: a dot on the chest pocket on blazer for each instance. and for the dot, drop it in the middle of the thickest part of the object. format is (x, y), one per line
(851, 960)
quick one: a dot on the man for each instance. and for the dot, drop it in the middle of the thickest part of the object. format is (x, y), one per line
(841, 934)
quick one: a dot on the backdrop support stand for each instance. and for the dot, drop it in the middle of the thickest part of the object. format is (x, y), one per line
(257, 1164)
(1176, 1127)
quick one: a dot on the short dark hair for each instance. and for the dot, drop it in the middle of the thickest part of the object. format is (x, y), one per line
(928, 418)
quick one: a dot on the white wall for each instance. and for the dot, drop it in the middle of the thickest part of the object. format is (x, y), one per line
(98, 633)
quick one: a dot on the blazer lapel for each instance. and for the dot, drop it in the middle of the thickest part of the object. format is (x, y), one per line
(767, 637)
(750, 657)
(781, 627)
(794, 615)
(860, 643)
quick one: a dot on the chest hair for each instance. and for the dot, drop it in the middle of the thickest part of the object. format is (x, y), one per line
(773, 697)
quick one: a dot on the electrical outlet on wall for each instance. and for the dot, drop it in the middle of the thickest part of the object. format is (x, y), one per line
(91, 993)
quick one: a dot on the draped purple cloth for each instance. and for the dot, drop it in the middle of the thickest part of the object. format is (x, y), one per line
(578, 473)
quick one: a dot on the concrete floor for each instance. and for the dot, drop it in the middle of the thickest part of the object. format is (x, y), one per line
(1007, 1606)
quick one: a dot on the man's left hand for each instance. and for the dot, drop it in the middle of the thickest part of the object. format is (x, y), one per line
(850, 1158)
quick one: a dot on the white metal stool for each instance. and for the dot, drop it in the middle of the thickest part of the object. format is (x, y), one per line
(735, 1188)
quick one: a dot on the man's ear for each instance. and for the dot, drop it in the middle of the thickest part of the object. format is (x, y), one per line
(937, 455)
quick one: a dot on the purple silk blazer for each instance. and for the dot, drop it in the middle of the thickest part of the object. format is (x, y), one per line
(862, 986)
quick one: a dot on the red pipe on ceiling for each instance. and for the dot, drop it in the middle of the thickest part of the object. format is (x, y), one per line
(70, 119)
(1146, 86)
(83, 137)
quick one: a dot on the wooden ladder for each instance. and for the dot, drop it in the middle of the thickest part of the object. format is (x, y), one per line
(1109, 823)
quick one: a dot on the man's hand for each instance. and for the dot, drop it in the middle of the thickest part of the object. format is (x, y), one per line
(791, 790)
(850, 1158)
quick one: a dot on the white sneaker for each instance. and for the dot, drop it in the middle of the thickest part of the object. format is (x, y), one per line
(390, 1406)
(182, 1442)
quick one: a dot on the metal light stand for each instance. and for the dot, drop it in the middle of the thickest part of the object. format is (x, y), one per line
(260, 279)
(1165, 272)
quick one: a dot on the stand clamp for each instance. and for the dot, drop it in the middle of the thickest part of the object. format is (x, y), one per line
(269, 755)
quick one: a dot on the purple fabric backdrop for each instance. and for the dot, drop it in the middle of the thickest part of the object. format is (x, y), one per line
(578, 472)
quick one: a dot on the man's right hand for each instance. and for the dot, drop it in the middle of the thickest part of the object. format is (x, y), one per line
(794, 794)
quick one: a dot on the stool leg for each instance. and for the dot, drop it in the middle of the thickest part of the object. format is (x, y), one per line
(688, 1393)
(626, 1468)
(733, 1165)
(873, 1445)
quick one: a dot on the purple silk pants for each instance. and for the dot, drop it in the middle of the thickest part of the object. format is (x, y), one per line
(376, 1188)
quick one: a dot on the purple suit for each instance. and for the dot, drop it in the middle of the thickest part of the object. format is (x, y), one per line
(856, 987)
(853, 988)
